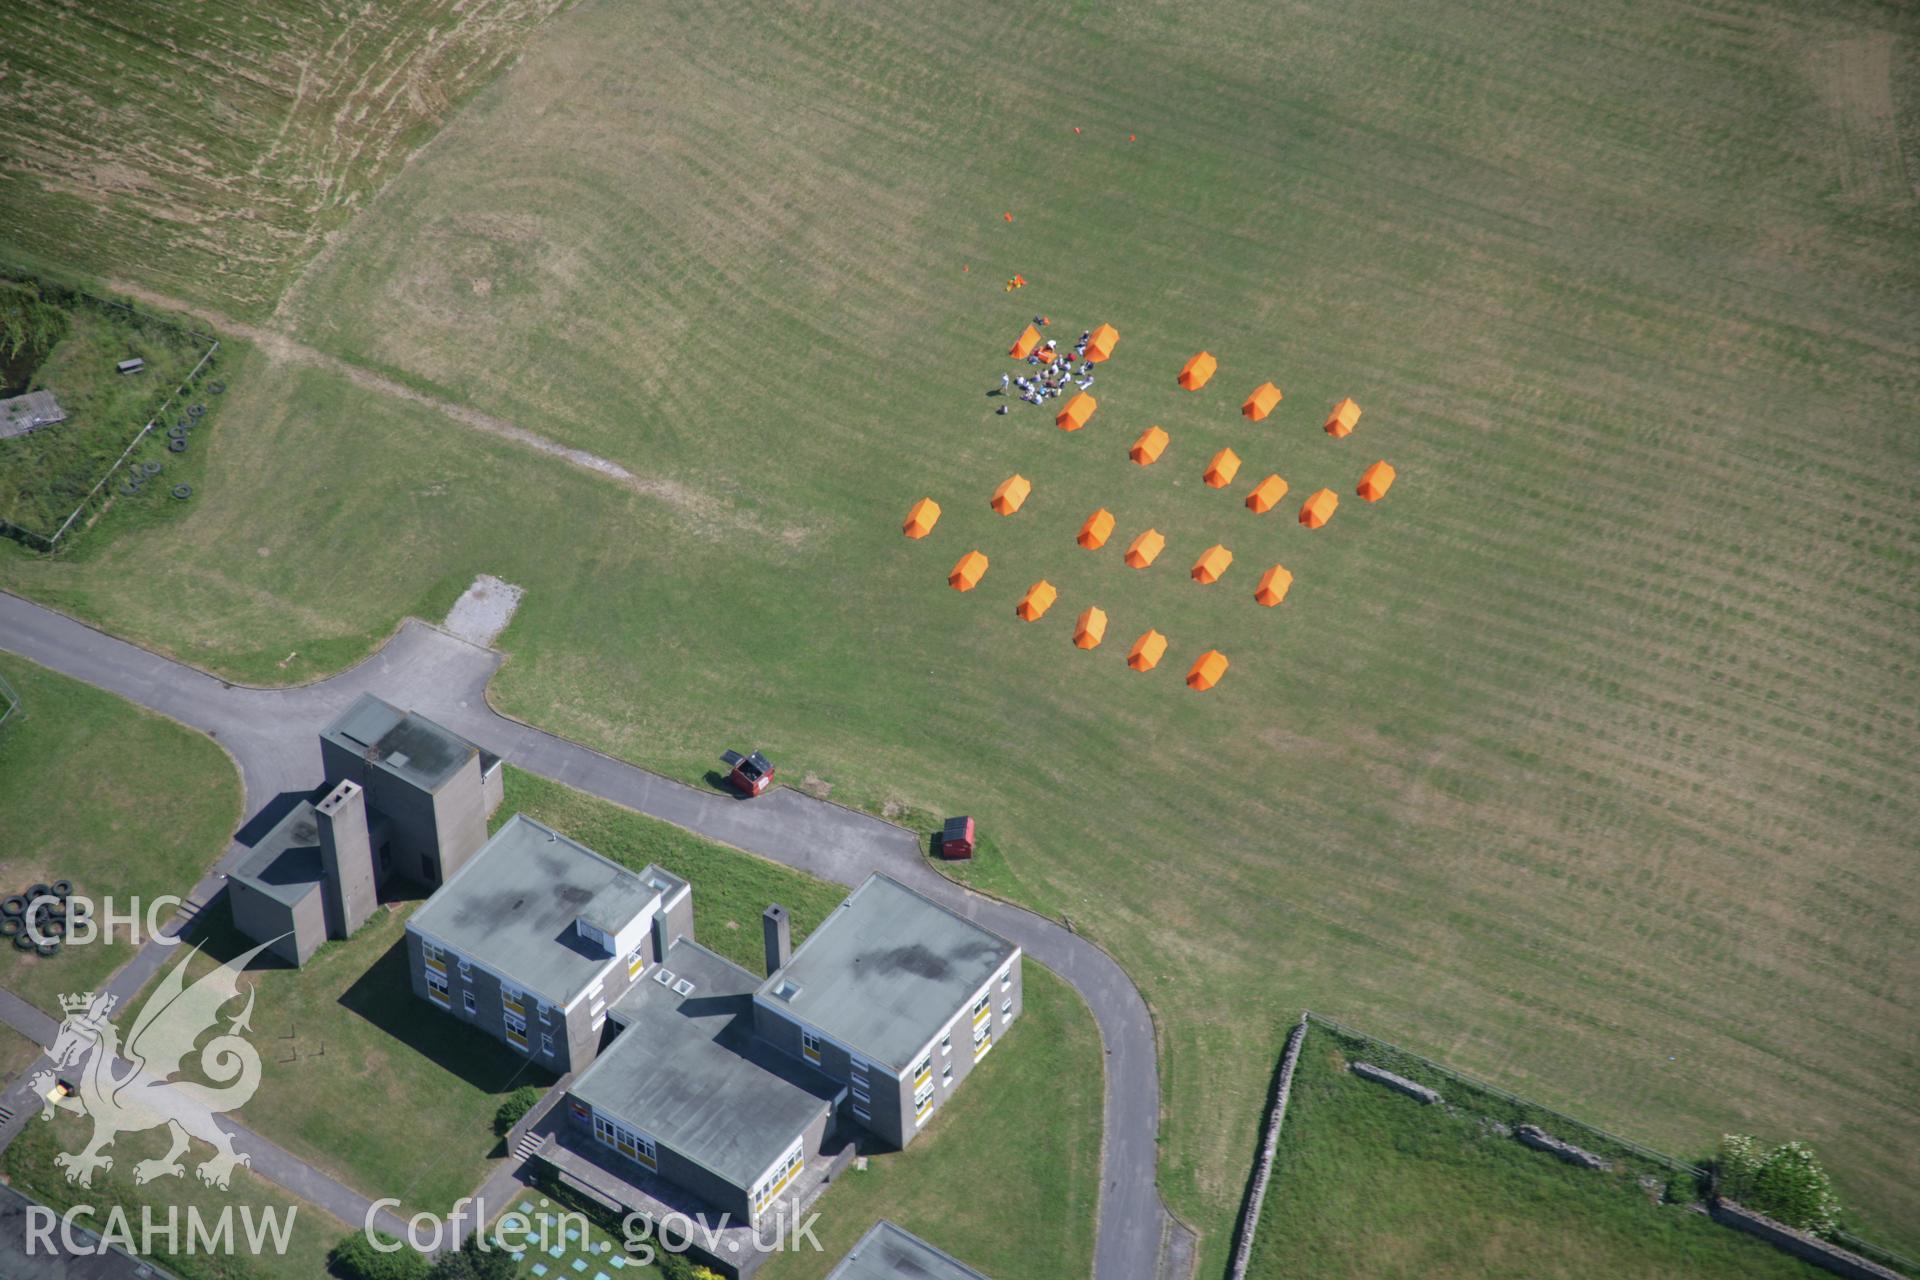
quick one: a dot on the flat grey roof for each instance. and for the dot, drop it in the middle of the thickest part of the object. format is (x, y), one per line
(887, 970)
(286, 863)
(689, 1071)
(406, 743)
(888, 1252)
(512, 907)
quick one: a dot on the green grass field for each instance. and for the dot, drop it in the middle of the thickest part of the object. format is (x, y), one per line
(125, 804)
(1369, 1184)
(1580, 761)
(209, 148)
(29, 1164)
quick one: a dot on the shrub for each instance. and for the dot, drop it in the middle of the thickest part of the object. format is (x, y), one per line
(355, 1258)
(518, 1103)
(1682, 1188)
(1787, 1183)
(470, 1262)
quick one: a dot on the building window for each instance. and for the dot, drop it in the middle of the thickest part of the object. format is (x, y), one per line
(782, 1176)
(466, 998)
(982, 1040)
(516, 1030)
(437, 988)
(1006, 1006)
(982, 1007)
(636, 962)
(634, 1146)
(436, 958)
(810, 1045)
(946, 1043)
(946, 1076)
(860, 1114)
(466, 970)
(510, 1000)
(861, 1097)
(546, 1043)
(1006, 977)
(546, 1011)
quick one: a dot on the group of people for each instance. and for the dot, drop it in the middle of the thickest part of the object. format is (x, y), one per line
(1054, 372)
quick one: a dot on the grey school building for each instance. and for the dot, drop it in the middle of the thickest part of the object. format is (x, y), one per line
(896, 997)
(403, 797)
(887, 1252)
(537, 937)
(692, 1075)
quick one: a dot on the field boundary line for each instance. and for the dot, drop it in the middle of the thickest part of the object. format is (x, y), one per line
(1263, 1168)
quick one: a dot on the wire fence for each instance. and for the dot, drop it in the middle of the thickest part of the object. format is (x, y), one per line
(1866, 1248)
(9, 701)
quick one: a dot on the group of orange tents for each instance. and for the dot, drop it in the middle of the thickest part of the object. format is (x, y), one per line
(1090, 627)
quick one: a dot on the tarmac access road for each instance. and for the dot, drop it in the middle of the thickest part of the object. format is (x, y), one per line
(273, 735)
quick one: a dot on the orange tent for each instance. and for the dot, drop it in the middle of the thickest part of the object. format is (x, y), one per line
(921, 517)
(1212, 563)
(1146, 652)
(1375, 481)
(1318, 509)
(1034, 605)
(1195, 372)
(1261, 402)
(1145, 549)
(1074, 416)
(1048, 355)
(1098, 528)
(1272, 587)
(1147, 449)
(1100, 342)
(1090, 628)
(968, 571)
(1012, 492)
(1344, 418)
(1221, 471)
(1207, 670)
(1266, 495)
(1024, 344)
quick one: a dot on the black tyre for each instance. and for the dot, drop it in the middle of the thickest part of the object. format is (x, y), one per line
(10, 925)
(216, 388)
(176, 446)
(177, 432)
(152, 468)
(54, 929)
(13, 905)
(62, 889)
(23, 942)
(183, 491)
(51, 947)
(39, 891)
(130, 487)
(197, 411)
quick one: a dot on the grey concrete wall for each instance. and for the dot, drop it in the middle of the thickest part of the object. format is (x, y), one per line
(493, 787)
(262, 917)
(460, 818)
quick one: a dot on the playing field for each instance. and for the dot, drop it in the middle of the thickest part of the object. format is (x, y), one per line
(1583, 760)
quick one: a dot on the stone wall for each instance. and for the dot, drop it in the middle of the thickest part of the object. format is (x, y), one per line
(1420, 1092)
(1540, 1140)
(1263, 1168)
(1798, 1243)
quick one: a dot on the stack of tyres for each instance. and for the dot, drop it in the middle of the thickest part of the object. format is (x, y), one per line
(44, 908)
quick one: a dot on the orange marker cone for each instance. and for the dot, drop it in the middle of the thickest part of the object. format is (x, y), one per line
(1007, 216)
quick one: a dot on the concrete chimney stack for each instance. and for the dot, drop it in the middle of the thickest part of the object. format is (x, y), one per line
(774, 929)
(347, 854)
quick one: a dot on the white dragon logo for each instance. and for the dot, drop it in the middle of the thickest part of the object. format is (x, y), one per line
(137, 1091)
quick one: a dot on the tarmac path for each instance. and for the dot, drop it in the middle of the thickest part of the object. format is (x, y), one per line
(272, 734)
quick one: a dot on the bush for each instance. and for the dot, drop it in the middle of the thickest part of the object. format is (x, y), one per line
(1787, 1183)
(355, 1258)
(1682, 1188)
(518, 1103)
(472, 1263)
